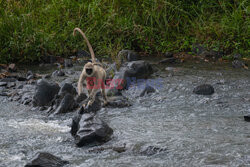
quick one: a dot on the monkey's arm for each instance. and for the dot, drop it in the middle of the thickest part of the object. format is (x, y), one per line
(80, 82)
(92, 96)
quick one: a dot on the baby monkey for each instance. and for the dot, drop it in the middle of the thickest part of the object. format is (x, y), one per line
(94, 75)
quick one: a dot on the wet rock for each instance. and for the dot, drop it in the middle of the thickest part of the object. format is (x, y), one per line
(20, 86)
(58, 73)
(139, 69)
(70, 72)
(127, 56)
(11, 84)
(96, 106)
(118, 102)
(168, 60)
(75, 122)
(247, 118)
(152, 150)
(45, 93)
(67, 88)
(118, 81)
(3, 83)
(67, 104)
(43, 159)
(47, 76)
(21, 78)
(204, 89)
(12, 67)
(30, 75)
(8, 80)
(239, 64)
(148, 89)
(128, 72)
(87, 129)
(3, 92)
(26, 98)
(168, 55)
(68, 63)
(81, 98)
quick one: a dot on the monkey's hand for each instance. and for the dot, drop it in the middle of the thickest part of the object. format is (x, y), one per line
(105, 103)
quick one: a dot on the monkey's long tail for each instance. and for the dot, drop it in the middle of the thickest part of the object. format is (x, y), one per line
(89, 45)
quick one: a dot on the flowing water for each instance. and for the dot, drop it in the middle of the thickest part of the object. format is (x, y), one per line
(193, 130)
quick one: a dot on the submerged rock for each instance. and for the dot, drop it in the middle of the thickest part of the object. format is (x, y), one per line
(43, 159)
(87, 129)
(44, 93)
(204, 89)
(148, 89)
(152, 150)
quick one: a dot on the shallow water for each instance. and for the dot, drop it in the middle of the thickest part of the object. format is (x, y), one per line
(195, 130)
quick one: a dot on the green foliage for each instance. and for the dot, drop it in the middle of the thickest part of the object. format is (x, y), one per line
(31, 29)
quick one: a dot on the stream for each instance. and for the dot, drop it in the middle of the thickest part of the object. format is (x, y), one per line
(193, 130)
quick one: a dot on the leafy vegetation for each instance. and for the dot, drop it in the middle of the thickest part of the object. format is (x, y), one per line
(31, 29)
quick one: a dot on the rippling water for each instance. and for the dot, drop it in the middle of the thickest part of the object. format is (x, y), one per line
(195, 130)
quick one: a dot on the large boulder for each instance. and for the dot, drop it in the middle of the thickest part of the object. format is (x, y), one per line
(204, 89)
(67, 88)
(44, 93)
(88, 129)
(43, 159)
(128, 72)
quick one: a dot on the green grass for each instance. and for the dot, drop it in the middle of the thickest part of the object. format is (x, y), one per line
(31, 29)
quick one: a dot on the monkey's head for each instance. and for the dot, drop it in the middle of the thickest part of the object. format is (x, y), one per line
(89, 68)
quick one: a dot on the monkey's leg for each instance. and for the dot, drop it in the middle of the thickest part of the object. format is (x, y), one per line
(92, 97)
(104, 94)
(80, 82)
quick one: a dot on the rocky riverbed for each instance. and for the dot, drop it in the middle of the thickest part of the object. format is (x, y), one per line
(167, 124)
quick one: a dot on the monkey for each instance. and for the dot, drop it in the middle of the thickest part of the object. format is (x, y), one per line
(92, 72)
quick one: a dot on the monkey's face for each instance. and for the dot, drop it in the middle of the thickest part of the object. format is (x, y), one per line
(89, 68)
